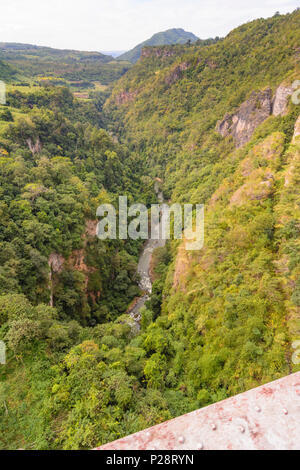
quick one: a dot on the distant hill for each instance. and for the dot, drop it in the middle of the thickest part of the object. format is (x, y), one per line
(13, 51)
(171, 36)
(36, 61)
(7, 73)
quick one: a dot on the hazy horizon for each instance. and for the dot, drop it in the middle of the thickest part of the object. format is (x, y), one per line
(119, 25)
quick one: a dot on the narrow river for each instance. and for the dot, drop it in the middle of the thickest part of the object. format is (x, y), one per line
(144, 263)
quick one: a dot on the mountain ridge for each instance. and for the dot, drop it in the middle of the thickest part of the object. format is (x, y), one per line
(168, 37)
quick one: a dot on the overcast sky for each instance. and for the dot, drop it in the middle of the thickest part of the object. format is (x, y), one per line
(101, 25)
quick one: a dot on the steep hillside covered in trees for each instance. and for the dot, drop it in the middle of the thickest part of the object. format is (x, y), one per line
(218, 125)
(216, 122)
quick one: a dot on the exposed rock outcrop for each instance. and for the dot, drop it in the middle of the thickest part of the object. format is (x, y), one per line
(125, 97)
(76, 261)
(253, 112)
(280, 102)
(56, 262)
(91, 227)
(176, 73)
(258, 187)
(34, 147)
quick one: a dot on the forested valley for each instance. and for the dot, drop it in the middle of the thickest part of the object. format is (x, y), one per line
(215, 122)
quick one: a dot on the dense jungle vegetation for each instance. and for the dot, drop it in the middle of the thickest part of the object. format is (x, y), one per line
(220, 320)
(76, 68)
(171, 36)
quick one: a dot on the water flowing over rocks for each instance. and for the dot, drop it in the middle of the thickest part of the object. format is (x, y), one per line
(144, 266)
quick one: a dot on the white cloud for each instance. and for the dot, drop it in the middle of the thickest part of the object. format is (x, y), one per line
(121, 24)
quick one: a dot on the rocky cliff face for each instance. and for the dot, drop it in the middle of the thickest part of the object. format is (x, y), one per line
(253, 112)
(76, 262)
(281, 100)
(176, 73)
(163, 51)
(125, 97)
(250, 114)
(56, 262)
